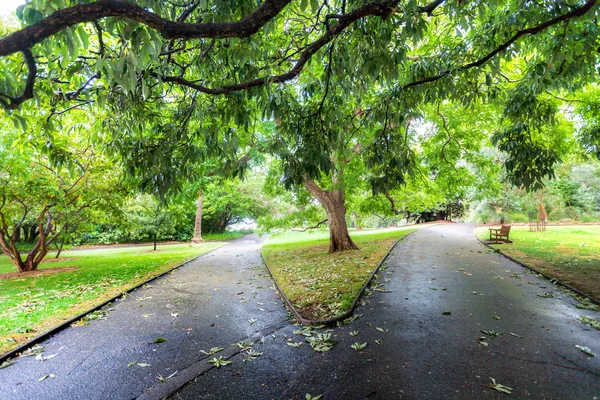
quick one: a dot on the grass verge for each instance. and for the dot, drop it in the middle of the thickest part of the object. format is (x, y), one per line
(569, 253)
(34, 304)
(322, 285)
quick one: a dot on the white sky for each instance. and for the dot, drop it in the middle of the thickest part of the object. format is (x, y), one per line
(9, 6)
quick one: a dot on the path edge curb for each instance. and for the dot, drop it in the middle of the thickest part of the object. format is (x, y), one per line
(551, 279)
(348, 313)
(45, 335)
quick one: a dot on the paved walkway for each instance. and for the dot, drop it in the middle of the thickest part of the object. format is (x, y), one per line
(221, 298)
(422, 354)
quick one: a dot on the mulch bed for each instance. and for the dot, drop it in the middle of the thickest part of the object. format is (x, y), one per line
(39, 272)
(51, 260)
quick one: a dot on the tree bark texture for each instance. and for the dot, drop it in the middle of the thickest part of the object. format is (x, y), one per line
(198, 224)
(334, 203)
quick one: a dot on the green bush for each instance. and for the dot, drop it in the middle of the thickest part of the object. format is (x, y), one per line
(227, 235)
(589, 217)
(517, 217)
(556, 215)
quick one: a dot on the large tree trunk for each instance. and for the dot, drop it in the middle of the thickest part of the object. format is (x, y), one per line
(334, 203)
(198, 224)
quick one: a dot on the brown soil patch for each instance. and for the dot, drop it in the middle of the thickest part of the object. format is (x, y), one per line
(39, 272)
(586, 281)
(51, 260)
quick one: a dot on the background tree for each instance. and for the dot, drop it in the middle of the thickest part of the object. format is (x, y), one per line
(233, 201)
(54, 200)
(148, 217)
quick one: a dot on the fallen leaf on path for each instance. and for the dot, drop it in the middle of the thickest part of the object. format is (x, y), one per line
(251, 355)
(212, 351)
(321, 342)
(492, 334)
(46, 377)
(162, 379)
(498, 387)
(586, 350)
(515, 335)
(496, 317)
(32, 351)
(309, 397)
(447, 313)
(589, 321)
(218, 362)
(354, 333)
(143, 365)
(7, 363)
(357, 346)
(159, 340)
(40, 357)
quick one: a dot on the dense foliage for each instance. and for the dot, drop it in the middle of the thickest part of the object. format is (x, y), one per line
(352, 98)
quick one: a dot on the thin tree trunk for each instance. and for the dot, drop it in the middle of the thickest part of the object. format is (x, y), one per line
(62, 243)
(154, 241)
(198, 224)
(542, 214)
(334, 204)
(357, 221)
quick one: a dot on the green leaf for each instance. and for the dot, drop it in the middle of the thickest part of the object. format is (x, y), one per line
(359, 345)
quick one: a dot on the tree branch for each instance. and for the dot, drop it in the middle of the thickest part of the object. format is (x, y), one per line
(12, 103)
(393, 203)
(310, 227)
(576, 12)
(27, 37)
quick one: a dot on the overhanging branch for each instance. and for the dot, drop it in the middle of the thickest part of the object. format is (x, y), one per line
(29, 36)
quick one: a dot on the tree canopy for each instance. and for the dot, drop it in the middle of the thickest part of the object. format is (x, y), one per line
(340, 92)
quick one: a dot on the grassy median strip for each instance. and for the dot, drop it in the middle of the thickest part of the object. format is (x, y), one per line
(569, 253)
(322, 285)
(31, 305)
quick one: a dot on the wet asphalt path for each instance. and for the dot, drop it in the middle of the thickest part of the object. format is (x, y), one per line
(220, 299)
(422, 354)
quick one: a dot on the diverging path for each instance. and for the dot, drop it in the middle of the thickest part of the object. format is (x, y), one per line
(421, 324)
(414, 351)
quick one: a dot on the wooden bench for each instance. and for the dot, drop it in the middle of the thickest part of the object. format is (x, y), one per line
(500, 234)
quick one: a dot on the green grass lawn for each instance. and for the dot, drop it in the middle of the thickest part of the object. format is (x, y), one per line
(322, 285)
(569, 253)
(34, 304)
